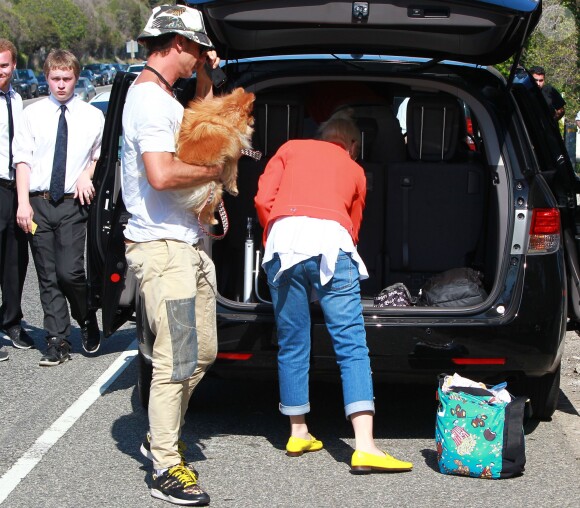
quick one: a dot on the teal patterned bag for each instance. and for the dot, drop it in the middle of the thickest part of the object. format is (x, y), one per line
(479, 435)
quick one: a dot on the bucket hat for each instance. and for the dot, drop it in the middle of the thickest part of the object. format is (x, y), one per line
(177, 19)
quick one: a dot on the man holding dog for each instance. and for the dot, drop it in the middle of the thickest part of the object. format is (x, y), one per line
(164, 249)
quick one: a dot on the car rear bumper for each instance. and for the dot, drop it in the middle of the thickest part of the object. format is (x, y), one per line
(527, 339)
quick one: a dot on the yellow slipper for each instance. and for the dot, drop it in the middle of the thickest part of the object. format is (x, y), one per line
(363, 462)
(296, 446)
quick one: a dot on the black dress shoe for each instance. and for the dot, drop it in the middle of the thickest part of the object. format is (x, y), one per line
(90, 334)
(58, 352)
(20, 339)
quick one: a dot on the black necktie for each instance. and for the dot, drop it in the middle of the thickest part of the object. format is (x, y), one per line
(10, 128)
(59, 162)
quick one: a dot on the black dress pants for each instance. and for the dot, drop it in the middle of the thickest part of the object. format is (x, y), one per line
(13, 260)
(58, 251)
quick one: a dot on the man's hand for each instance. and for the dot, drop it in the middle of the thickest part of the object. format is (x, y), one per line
(24, 216)
(84, 190)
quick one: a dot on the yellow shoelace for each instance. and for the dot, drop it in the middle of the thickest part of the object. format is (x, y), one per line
(184, 475)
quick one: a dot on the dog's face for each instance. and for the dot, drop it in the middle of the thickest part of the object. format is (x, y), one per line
(237, 107)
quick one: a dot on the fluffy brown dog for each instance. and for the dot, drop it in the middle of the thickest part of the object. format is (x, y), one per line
(214, 131)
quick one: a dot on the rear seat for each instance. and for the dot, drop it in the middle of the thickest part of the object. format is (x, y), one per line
(435, 200)
(382, 142)
(277, 118)
(371, 245)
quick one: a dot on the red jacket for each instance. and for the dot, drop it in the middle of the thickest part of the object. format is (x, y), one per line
(312, 178)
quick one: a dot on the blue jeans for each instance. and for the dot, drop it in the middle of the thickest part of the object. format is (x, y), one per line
(342, 309)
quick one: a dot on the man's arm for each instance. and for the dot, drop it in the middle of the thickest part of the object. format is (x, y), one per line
(558, 104)
(24, 213)
(204, 85)
(166, 172)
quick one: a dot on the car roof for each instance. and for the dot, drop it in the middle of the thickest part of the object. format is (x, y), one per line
(136, 68)
(101, 97)
(471, 31)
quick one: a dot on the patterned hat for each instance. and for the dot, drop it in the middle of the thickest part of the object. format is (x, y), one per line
(177, 19)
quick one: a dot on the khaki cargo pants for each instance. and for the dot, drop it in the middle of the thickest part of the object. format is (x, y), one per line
(177, 282)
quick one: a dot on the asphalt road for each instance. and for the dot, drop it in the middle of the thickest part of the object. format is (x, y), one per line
(70, 437)
(65, 444)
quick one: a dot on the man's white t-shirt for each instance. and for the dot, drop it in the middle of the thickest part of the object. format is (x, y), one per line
(151, 120)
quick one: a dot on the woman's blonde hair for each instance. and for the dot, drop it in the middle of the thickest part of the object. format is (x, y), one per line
(341, 128)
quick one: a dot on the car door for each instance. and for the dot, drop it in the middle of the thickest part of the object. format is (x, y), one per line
(470, 31)
(111, 287)
(106, 266)
(557, 170)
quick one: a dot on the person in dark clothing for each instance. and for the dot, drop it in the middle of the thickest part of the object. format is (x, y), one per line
(555, 101)
(13, 244)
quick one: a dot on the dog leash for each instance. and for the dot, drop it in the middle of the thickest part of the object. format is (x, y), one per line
(254, 154)
(222, 213)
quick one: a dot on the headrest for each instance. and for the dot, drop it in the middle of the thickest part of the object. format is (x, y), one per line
(277, 118)
(435, 124)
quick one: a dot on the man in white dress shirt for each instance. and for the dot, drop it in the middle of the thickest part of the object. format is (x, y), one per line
(13, 246)
(55, 150)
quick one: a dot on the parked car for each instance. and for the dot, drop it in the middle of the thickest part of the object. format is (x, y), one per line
(90, 75)
(112, 70)
(28, 83)
(18, 86)
(119, 67)
(101, 101)
(107, 72)
(100, 77)
(506, 209)
(42, 84)
(136, 68)
(85, 90)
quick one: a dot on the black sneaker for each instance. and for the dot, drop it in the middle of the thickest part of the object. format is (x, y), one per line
(20, 339)
(178, 485)
(181, 447)
(90, 334)
(58, 352)
(3, 354)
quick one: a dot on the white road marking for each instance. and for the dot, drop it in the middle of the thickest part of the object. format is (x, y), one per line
(36, 452)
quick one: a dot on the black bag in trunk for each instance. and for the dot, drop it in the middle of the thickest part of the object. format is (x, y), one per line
(458, 287)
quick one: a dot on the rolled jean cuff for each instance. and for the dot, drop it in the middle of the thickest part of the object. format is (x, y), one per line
(357, 407)
(295, 410)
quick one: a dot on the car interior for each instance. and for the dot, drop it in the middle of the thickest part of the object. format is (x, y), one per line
(432, 193)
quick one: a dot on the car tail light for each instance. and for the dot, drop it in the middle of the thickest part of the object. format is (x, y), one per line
(470, 135)
(234, 356)
(478, 361)
(469, 126)
(544, 231)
